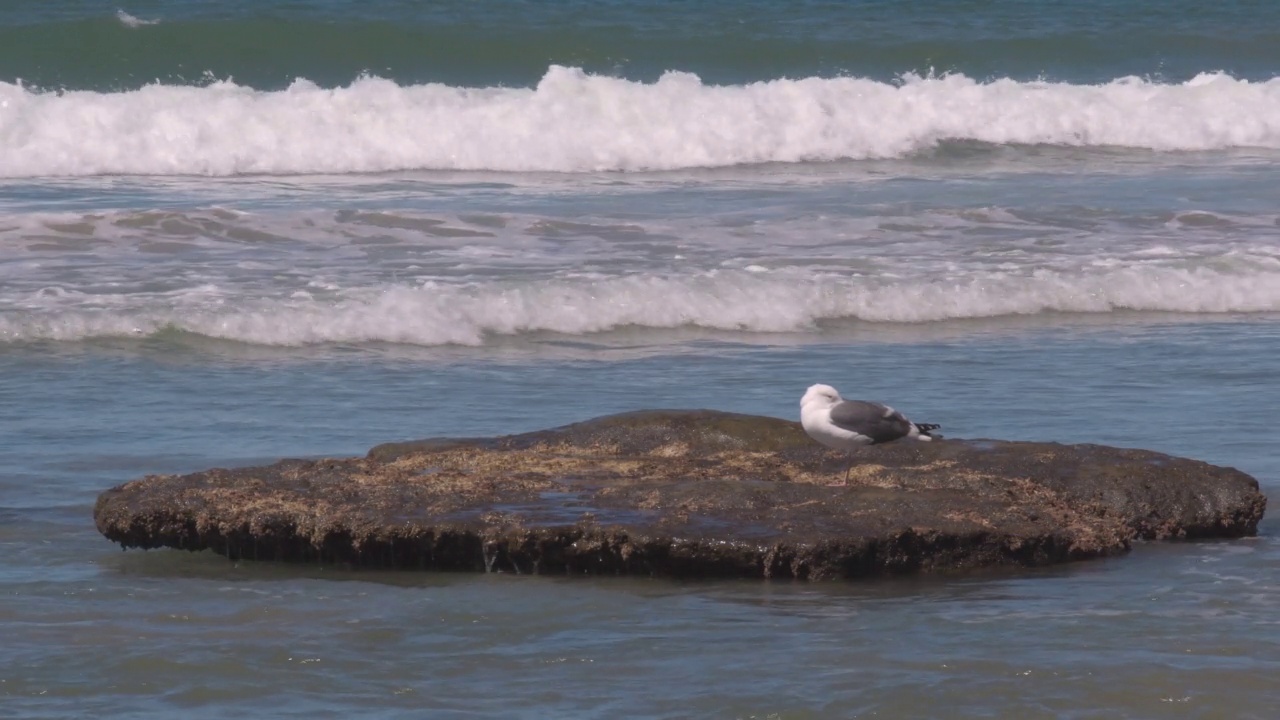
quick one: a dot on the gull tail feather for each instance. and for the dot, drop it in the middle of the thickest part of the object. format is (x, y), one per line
(927, 429)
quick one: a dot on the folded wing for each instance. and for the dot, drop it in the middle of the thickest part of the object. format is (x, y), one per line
(880, 423)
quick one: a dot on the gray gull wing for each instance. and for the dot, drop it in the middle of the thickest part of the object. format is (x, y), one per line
(876, 421)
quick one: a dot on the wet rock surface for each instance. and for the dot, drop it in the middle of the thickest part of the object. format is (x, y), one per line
(688, 493)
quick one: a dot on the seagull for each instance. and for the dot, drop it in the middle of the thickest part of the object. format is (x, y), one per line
(848, 424)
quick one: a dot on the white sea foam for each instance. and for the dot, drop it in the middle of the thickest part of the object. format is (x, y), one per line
(133, 22)
(435, 313)
(573, 121)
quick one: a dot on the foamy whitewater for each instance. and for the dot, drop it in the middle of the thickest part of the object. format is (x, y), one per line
(297, 279)
(576, 122)
(433, 313)
(242, 231)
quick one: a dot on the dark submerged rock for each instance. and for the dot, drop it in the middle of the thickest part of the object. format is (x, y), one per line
(688, 493)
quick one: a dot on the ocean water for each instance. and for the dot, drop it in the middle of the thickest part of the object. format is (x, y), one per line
(234, 232)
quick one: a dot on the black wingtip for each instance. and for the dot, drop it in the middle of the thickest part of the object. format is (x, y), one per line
(927, 428)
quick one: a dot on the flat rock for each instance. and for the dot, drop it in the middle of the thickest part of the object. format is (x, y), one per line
(688, 493)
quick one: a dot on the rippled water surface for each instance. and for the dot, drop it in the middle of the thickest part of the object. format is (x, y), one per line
(234, 232)
(150, 634)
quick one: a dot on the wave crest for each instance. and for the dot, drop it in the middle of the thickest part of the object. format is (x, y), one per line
(577, 122)
(743, 301)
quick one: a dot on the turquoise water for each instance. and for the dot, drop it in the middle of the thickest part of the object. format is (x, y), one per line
(78, 45)
(236, 232)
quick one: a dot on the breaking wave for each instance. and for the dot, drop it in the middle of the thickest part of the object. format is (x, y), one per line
(573, 121)
(751, 301)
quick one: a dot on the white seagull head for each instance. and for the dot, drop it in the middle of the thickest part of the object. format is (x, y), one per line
(820, 395)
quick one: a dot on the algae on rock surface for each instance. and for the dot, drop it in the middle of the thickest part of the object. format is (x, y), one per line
(688, 493)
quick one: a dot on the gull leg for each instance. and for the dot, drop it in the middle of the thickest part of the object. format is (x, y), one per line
(844, 481)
